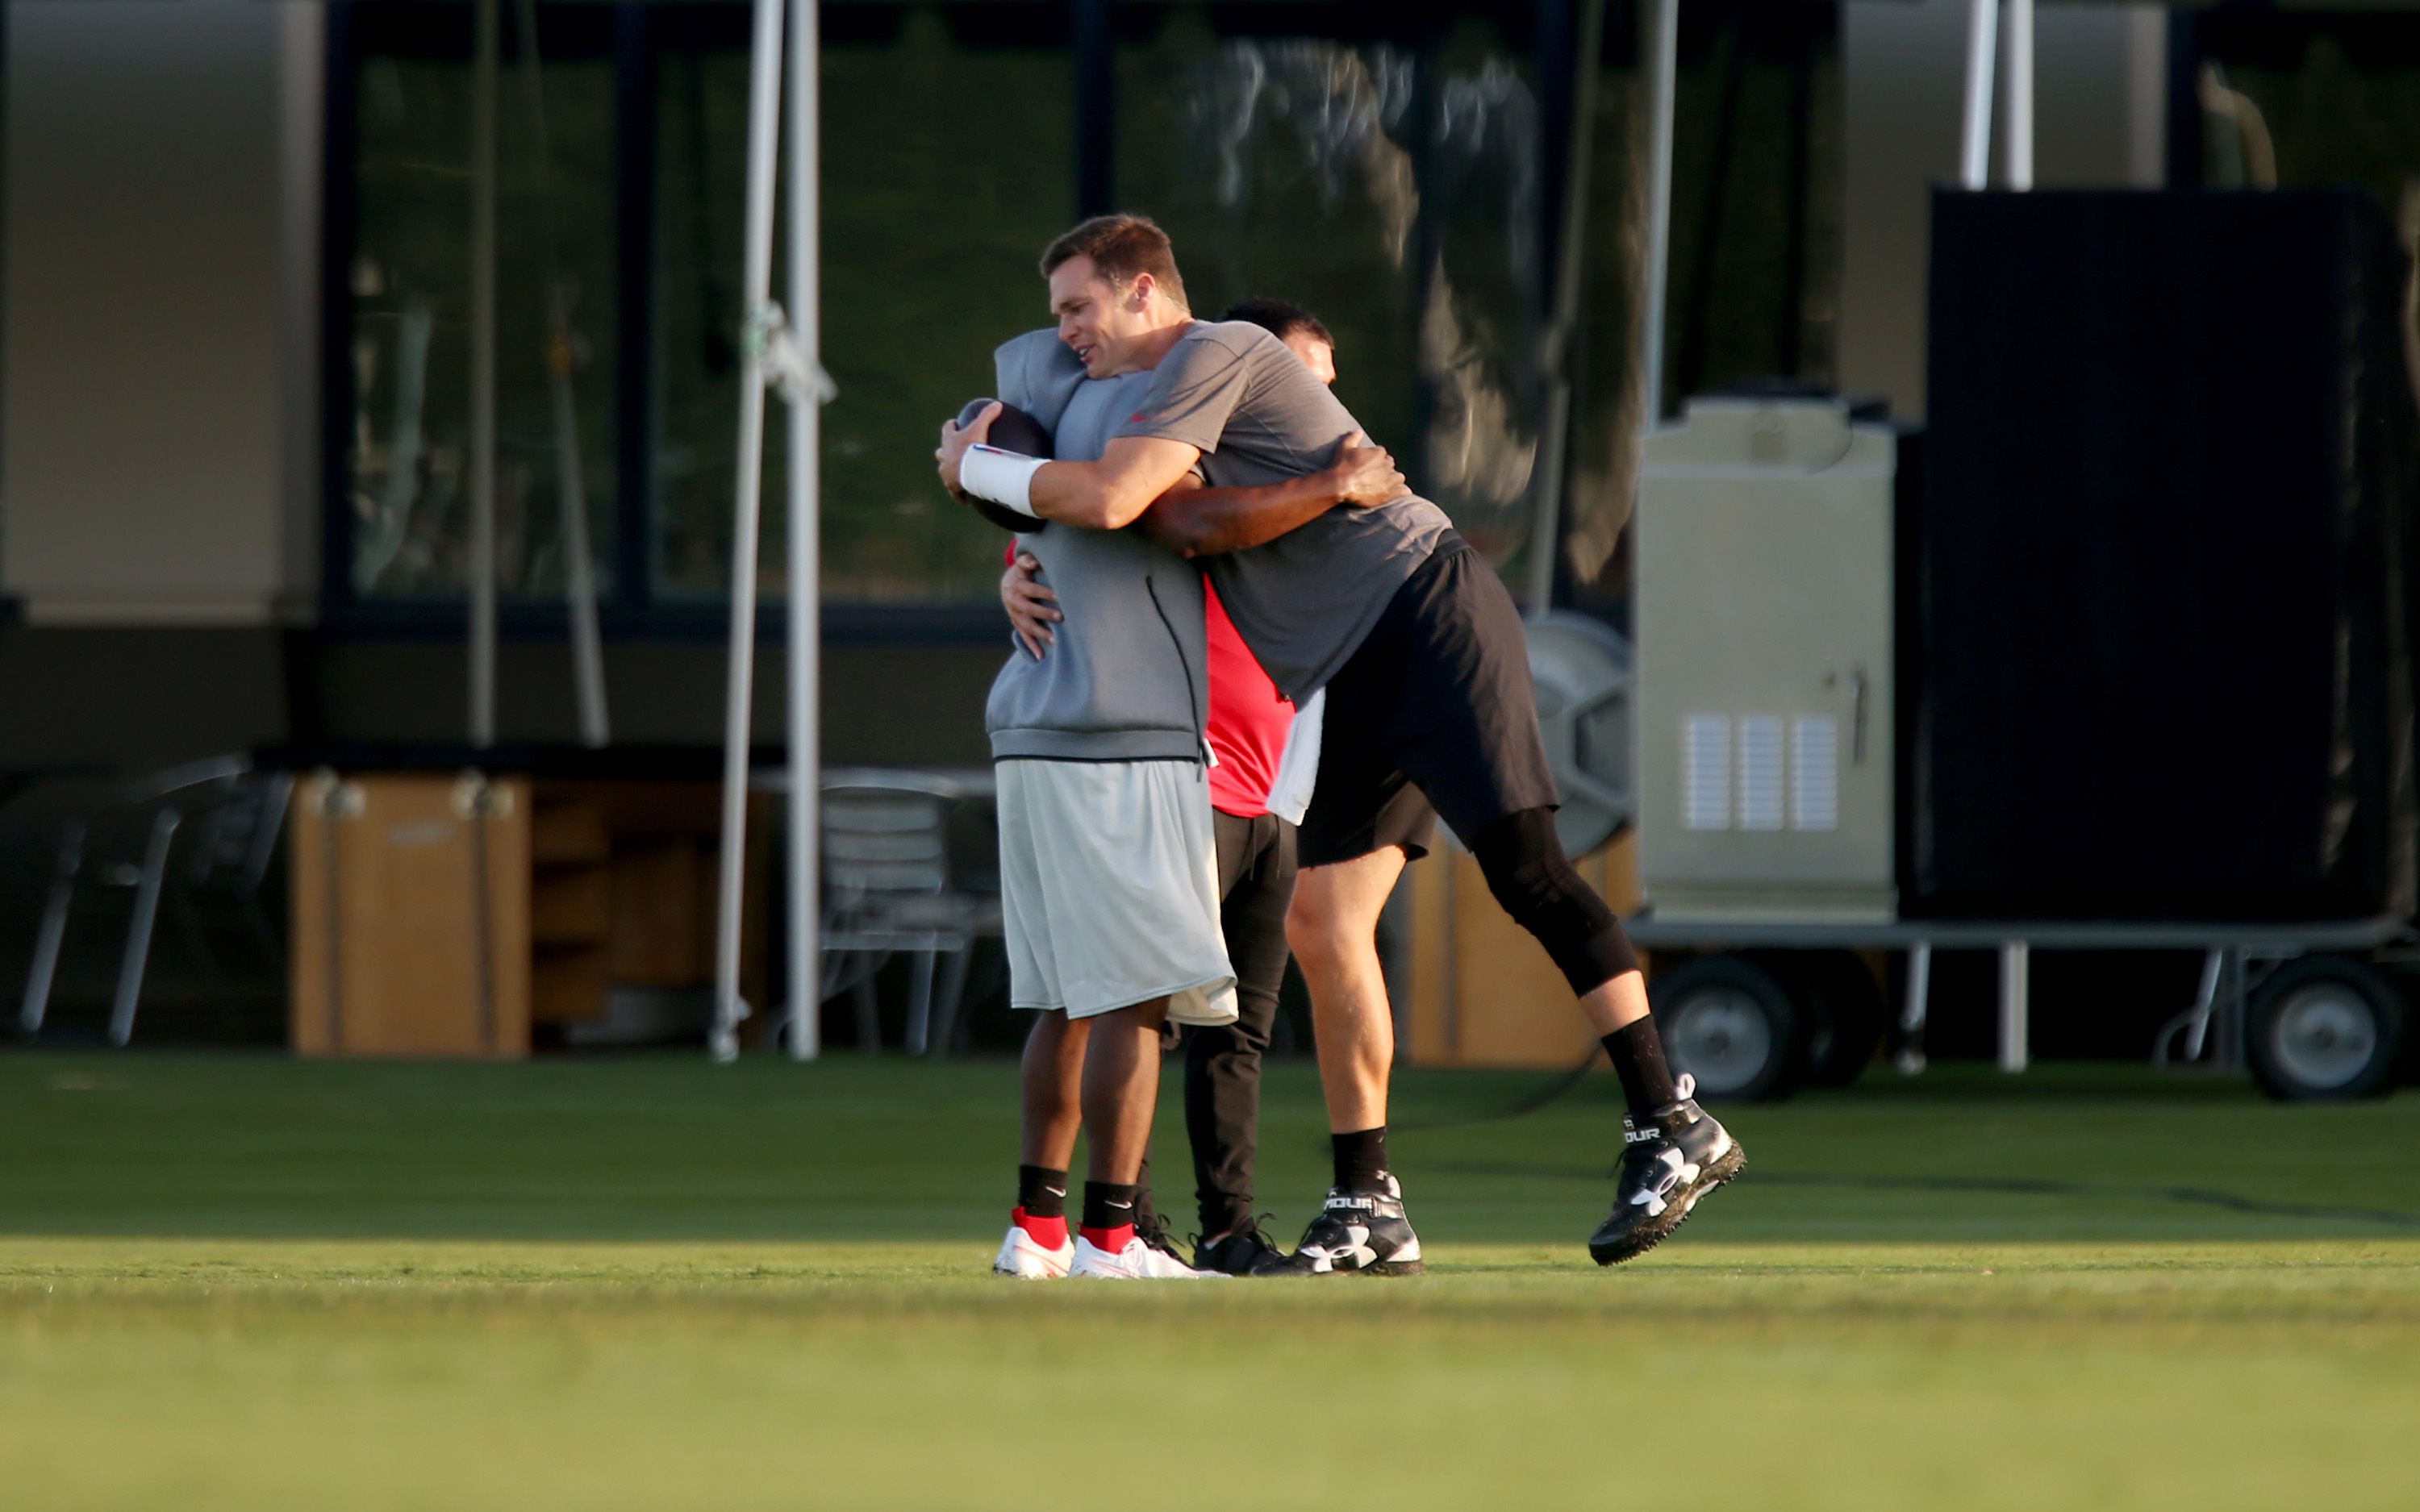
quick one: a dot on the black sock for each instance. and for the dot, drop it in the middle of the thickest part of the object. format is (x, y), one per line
(1108, 1204)
(1042, 1192)
(1362, 1159)
(1637, 1052)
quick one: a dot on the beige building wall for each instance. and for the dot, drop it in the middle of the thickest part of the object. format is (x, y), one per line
(161, 224)
(2100, 115)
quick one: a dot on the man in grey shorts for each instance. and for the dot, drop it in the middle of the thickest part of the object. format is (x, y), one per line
(1109, 868)
(1422, 657)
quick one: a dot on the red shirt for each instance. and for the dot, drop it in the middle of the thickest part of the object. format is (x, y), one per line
(1249, 718)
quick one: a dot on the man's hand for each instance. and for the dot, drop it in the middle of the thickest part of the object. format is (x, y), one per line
(1032, 607)
(1365, 474)
(955, 443)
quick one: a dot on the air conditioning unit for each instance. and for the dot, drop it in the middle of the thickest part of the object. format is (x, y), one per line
(1763, 629)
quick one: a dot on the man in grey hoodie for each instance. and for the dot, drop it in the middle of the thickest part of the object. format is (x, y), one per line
(1109, 871)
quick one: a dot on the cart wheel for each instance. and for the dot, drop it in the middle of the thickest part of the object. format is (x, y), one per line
(1848, 1016)
(2325, 1027)
(1727, 1021)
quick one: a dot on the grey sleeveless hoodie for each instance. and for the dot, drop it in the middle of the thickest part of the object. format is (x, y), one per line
(1127, 676)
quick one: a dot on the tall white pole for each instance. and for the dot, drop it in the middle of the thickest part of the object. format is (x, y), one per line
(487, 51)
(1662, 55)
(1975, 131)
(764, 129)
(2019, 103)
(806, 596)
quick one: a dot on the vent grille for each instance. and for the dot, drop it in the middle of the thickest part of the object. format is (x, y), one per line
(1760, 772)
(1705, 772)
(1815, 773)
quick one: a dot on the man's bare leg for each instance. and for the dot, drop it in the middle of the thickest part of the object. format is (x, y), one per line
(1051, 1111)
(1615, 1005)
(1333, 927)
(1051, 1075)
(1121, 1089)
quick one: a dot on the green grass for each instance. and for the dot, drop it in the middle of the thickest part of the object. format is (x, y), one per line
(656, 1284)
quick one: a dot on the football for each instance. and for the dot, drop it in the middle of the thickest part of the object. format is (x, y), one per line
(1012, 430)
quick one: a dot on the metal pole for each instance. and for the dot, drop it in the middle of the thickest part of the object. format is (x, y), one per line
(1974, 132)
(2015, 1028)
(1662, 50)
(2020, 100)
(580, 571)
(1562, 318)
(138, 929)
(806, 583)
(1917, 1010)
(487, 51)
(764, 125)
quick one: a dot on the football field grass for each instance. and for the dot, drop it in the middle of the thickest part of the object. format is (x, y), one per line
(651, 1282)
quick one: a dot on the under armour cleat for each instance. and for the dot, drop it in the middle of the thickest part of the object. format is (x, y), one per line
(1027, 1259)
(1135, 1261)
(1357, 1233)
(1670, 1160)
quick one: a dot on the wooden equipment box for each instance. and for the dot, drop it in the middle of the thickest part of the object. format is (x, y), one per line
(444, 916)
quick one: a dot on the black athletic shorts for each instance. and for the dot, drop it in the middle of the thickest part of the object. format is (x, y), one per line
(1434, 715)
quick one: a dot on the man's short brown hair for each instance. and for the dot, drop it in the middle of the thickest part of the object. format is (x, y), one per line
(1122, 247)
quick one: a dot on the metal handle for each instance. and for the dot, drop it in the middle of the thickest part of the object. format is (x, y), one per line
(1857, 717)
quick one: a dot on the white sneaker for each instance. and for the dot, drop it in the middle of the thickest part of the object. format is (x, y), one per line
(1026, 1258)
(1138, 1261)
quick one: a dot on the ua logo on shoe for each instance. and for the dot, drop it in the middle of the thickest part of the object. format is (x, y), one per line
(1677, 1169)
(1355, 1248)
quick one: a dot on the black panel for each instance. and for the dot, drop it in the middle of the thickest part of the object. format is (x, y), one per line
(2160, 624)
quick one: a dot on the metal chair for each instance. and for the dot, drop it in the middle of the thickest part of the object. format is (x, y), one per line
(888, 890)
(125, 845)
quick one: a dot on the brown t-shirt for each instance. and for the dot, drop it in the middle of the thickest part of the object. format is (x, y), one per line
(1305, 600)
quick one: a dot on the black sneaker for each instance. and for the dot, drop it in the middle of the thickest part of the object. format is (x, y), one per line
(1361, 1233)
(1151, 1229)
(1240, 1253)
(1670, 1160)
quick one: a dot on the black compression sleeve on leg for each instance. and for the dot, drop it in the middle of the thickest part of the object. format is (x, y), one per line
(1533, 879)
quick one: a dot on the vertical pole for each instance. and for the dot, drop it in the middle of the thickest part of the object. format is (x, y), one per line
(486, 51)
(2015, 1031)
(806, 522)
(1917, 1010)
(1974, 132)
(571, 491)
(764, 124)
(2019, 101)
(1562, 313)
(1661, 52)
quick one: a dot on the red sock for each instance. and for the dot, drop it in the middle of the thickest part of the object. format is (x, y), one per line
(1112, 1239)
(1050, 1233)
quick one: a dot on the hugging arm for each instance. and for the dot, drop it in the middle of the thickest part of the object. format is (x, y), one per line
(1196, 521)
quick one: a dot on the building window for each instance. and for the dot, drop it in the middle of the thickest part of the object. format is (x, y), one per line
(949, 134)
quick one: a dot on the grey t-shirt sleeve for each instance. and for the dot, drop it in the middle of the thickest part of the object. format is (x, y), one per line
(1193, 394)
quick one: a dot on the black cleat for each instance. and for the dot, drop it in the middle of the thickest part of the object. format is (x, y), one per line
(1671, 1161)
(1237, 1253)
(1363, 1233)
(1153, 1230)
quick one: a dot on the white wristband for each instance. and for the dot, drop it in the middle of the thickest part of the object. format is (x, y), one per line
(1002, 477)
